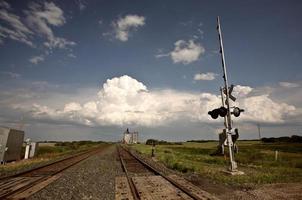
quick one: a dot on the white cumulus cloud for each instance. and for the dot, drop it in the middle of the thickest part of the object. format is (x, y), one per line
(13, 75)
(81, 4)
(205, 76)
(4, 4)
(71, 55)
(127, 101)
(38, 19)
(241, 91)
(288, 84)
(16, 29)
(262, 108)
(41, 16)
(72, 107)
(186, 52)
(36, 59)
(123, 26)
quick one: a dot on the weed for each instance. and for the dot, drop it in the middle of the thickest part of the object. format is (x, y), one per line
(257, 160)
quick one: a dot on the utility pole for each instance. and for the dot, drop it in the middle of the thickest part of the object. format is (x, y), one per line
(228, 124)
(258, 125)
(21, 124)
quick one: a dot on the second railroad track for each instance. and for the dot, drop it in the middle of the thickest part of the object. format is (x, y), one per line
(143, 181)
(23, 185)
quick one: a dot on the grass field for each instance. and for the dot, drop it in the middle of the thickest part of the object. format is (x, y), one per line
(256, 159)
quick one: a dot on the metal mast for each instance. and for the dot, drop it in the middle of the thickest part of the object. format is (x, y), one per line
(259, 132)
(228, 120)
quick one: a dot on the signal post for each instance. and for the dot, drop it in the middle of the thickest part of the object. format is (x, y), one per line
(225, 110)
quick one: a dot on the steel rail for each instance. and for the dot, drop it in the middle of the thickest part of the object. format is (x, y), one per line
(85, 155)
(131, 184)
(46, 165)
(173, 182)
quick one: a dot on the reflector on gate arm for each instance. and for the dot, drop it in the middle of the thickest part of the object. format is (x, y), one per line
(11, 141)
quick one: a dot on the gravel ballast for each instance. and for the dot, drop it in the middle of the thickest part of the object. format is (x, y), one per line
(93, 178)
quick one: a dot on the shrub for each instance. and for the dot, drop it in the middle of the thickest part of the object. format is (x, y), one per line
(151, 142)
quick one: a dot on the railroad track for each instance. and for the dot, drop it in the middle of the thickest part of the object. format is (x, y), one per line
(144, 182)
(24, 184)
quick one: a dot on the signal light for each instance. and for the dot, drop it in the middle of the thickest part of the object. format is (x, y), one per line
(236, 111)
(222, 112)
(214, 113)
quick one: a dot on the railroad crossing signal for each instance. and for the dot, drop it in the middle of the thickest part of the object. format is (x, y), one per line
(230, 93)
(236, 111)
(222, 112)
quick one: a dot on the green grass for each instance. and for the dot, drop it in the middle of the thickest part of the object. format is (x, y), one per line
(256, 159)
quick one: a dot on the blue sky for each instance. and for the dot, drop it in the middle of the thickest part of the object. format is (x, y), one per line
(80, 69)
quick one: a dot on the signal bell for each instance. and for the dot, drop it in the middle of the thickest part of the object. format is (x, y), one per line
(222, 112)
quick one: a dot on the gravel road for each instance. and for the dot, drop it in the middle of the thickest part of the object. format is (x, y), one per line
(92, 178)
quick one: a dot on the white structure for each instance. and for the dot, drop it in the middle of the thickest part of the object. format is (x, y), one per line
(27, 149)
(33, 149)
(30, 149)
(130, 137)
(11, 141)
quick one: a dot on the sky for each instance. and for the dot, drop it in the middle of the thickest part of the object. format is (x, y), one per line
(89, 69)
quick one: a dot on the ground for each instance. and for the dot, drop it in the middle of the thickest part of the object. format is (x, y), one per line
(265, 177)
(90, 179)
